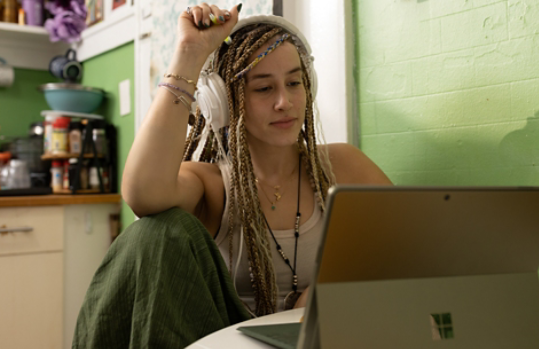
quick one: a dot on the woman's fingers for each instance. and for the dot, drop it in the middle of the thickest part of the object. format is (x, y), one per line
(218, 15)
(204, 15)
(206, 11)
(196, 13)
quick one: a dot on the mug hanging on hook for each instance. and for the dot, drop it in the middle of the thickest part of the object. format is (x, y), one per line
(66, 67)
(7, 74)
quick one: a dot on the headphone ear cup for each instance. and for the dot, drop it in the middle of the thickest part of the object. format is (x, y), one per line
(212, 100)
(219, 88)
(314, 80)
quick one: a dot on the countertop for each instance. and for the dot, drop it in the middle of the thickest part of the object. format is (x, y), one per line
(49, 200)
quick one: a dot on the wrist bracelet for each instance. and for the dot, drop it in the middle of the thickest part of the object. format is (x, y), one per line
(177, 77)
(179, 98)
(161, 84)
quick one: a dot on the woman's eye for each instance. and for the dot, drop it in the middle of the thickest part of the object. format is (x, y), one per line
(262, 89)
(295, 83)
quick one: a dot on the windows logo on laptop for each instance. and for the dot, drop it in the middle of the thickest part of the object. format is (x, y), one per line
(442, 326)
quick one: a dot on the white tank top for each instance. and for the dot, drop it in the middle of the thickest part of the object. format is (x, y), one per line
(310, 233)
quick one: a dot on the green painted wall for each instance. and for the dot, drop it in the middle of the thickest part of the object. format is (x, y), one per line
(21, 104)
(106, 71)
(449, 90)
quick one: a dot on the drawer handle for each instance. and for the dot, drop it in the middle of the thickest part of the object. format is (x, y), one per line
(5, 231)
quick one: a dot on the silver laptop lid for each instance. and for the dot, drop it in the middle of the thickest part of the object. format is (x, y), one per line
(412, 232)
(395, 236)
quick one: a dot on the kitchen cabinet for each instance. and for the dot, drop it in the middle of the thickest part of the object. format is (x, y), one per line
(28, 47)
(45, 272)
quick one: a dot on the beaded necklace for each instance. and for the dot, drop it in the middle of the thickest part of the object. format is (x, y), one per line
(292, 297)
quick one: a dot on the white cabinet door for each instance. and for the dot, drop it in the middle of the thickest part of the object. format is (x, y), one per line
(31, 295)
(46, 235)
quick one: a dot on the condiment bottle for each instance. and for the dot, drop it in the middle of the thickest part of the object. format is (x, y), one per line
(93, 179)
(75, 137)
(10, 11)
(99, 138)
(56, 176)
(84, 175)
(65, 176)
(47, 133)
(59, 135)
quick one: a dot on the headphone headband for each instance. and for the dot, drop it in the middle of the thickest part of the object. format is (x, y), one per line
(274, 20)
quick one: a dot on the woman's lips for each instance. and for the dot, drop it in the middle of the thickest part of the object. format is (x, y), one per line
(284, 124)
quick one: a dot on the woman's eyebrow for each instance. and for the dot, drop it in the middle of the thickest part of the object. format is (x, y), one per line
(263, 76)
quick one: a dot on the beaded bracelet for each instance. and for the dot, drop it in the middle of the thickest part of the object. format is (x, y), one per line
(179, 98)
(161, 84)
(177, 77)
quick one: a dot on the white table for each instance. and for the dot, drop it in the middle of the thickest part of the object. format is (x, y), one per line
(230, 337)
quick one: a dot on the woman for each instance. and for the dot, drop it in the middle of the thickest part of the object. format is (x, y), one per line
(260, 187)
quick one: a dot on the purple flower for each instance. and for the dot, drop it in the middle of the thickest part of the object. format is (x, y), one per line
(67, 23)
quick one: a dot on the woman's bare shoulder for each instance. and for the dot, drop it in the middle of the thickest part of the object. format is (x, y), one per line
(351, 166)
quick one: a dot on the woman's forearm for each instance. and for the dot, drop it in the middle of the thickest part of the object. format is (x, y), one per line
(151, 170)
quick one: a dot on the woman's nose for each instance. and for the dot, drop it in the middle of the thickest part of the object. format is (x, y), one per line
(283, 100)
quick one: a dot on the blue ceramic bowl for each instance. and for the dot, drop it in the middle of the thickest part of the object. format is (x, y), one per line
(72, 97)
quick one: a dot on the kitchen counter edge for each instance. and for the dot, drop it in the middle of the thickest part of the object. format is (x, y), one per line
(51, 200)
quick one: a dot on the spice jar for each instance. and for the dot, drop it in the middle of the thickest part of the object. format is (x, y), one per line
(65, 176)
(10, 11)
(83, 175)
(47, 133)
(59, 135)
(93, 179)
(99, 137)
(75, 137)
(56, 176)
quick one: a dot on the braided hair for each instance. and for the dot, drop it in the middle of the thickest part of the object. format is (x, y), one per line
(244, 202)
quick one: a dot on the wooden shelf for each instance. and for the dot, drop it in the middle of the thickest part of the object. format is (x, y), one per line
(22, 32)
(48, 200)
(80, 191)
(68, 156)
(28, 47)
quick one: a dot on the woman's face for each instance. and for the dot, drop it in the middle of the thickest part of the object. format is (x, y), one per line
(275, 98)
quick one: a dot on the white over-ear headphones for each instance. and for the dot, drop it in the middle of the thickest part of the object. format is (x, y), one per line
(211, 94)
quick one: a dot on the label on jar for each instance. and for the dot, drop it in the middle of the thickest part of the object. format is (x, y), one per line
(59, 141)
(48, 138)
(56, 174)
(75, 141)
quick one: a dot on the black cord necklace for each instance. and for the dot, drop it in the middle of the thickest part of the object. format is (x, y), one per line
(292, 297)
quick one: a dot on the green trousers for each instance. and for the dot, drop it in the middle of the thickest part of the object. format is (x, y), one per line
(162, 284)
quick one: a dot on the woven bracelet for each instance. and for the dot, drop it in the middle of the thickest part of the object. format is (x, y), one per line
(178, 89)
(179, 99)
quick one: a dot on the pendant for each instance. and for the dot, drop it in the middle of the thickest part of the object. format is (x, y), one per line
(273, 207)
(291, 299)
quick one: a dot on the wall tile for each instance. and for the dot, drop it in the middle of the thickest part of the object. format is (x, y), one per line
(367, 119)
(482, 26)
(509, 61)
(525, 99)
(443, 8)
(523, 15)
(385, 82)
(443, 73)
(414, 40)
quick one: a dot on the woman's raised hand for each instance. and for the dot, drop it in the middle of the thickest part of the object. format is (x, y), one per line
(204, 27)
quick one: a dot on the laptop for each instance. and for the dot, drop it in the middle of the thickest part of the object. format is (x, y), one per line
(422, 267)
